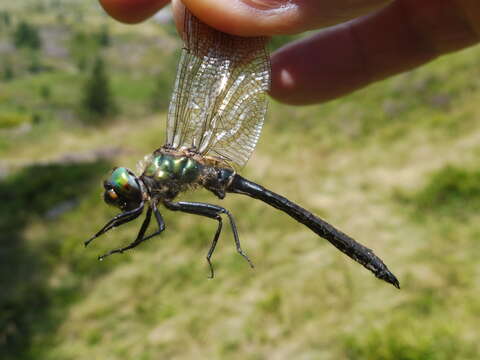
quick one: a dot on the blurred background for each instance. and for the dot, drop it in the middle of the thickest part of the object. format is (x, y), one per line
(394, 165)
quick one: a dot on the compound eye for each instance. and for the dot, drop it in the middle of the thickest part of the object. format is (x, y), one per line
(122, 189)
(112, 195)
(112, 198)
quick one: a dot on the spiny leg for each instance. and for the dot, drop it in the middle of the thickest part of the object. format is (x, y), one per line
(237, 239)
(213, 212)
(213, 245)
(117, 221)
(140, 237)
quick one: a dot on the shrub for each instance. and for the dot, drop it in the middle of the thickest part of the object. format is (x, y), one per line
(26, 36)
(98, 100)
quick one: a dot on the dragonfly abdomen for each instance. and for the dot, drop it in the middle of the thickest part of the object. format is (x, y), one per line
(341, 241)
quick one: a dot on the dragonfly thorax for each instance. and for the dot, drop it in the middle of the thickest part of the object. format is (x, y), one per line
(166, 175)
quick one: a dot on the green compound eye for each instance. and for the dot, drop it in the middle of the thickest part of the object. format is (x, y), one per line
(123, 182)
(122, 189)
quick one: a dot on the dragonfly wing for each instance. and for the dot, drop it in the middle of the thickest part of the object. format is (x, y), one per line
(219, 102)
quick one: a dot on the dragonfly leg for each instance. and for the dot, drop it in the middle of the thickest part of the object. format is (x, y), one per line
(117, 221)
(140, 237)
(213, 212)
(214, 244)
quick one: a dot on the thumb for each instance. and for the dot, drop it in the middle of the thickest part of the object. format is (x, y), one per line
(274, 17)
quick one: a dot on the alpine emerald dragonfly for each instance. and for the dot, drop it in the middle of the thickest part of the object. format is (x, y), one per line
(214, 121)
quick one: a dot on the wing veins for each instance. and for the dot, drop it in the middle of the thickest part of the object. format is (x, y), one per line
(219, 101)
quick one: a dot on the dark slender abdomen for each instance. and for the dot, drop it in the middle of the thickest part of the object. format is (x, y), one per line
(341, 241)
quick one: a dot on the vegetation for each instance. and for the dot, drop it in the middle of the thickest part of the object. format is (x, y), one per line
(104, 38)
(450, 191)
(98, 100)
(7, 73)
(394, 165)
(26, 35)
(4, 19)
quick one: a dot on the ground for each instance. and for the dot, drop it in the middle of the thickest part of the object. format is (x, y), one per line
(394, 165)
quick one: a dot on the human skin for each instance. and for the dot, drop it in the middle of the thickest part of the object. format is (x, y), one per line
(366, 40)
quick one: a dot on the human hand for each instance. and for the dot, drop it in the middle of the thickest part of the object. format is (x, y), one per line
(374, 39)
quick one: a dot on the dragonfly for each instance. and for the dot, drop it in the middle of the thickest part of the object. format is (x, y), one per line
(214, 121)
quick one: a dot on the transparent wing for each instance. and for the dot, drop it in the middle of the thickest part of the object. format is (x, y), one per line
(219, 102)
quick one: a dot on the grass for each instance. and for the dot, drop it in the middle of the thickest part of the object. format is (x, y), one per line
(413, 341)
(394, 165)
(452, 192)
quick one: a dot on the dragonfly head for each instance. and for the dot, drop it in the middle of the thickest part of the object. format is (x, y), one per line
(123, 189)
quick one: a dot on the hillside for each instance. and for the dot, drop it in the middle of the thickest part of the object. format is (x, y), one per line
(394, 165)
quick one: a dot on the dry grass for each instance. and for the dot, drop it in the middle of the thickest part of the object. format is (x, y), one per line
(351, 161)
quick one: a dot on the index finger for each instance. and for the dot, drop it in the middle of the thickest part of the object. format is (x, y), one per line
(402, 36)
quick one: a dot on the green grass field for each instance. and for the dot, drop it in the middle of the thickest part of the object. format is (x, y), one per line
(394, 165)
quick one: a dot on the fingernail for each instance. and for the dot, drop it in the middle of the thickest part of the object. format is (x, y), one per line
(268, 4)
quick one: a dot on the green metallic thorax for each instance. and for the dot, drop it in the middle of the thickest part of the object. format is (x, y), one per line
(168, 167)
(168, 173)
